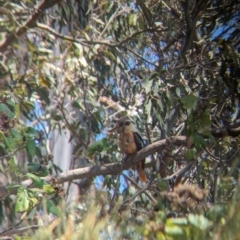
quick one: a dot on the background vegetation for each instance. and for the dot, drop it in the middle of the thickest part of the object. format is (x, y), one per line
(69, 69)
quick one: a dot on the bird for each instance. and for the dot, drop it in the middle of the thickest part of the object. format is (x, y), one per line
(130, 142)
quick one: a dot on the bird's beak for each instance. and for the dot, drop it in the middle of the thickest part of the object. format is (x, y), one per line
(116, 127)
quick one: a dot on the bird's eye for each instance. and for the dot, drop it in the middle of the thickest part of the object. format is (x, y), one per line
(127, 123)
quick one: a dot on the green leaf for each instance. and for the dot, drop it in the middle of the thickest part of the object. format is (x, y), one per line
(147, 85)
(178, 221)
(148, 108)
(11, 104)
(190, 101)
(198, 141)
(22, 201)
(133, 19)
(2, 136)
(51, 207)
(110, 55)
(12, 166)
(38, 169)
(105, 143)
(17, 111)
(37, 181)
(173, 230)
(31, 147)
(154, 75)
(217, 212)
(5, 108)
(190, 154)
(204, 119)
(76, 104)
(38, 152)
(11, 143)
(57, 117)
(10, 187)
(33, 167)
(199, 221)
(49, 189)
(32, 202)
(98, 147)
(178, 92)
(22, 238)
(43, 93)
(15, 134)
(6, 142)
(31, 132)
(96, 121)
(27, 106)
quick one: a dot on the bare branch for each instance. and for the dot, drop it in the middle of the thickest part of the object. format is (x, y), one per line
(110, 103)
(19, 231)
(232, 130)
(115, 168)
(11, 153)
(103, 42)
(31, 21)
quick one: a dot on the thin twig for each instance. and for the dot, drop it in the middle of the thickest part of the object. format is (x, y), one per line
(141, 189)
(12, 153)
(94, 42)
(19, 231)
(30, 23)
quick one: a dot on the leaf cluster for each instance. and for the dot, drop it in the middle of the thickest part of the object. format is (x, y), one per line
(70, 68)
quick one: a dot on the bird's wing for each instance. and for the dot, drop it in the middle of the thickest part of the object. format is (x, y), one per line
(139, 141)
(140, 166)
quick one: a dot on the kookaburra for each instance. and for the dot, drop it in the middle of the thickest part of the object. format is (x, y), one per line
(130, 142)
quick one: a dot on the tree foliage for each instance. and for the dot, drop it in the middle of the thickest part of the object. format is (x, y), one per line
(74, 67)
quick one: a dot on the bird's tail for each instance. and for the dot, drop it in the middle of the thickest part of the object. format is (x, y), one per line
(141, 172)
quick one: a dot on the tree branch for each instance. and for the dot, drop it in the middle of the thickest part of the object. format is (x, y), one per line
(232, 130)
(31, 21)
(115, 168)
(107, 169)
(107, 43)
(19, 231)
(110, 103)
